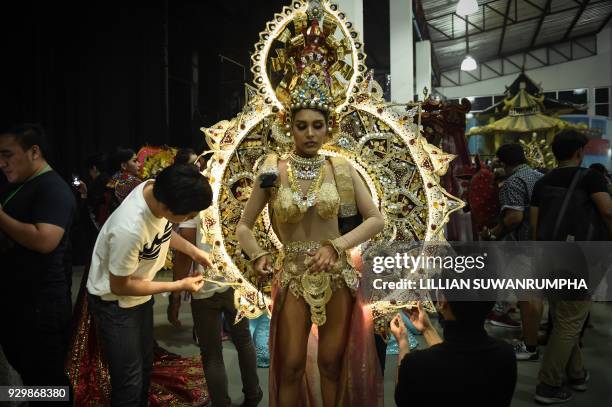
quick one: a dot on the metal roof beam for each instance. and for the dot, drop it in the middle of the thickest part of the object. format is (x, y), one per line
(547, 46)
(495, 71)
(503, 33)
(487, 6)
(469, 74)
(510, 21)
(536, 6)
(450, 37)
(513, 63)
(540, 22)
(552, 48)
(504, 60)
(583, 6)
(467, 21)
(449, 79)
(604, 23)
(544, 63)
(587, 49)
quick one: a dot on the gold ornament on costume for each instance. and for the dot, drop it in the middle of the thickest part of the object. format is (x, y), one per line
(310, 55)
(538, 152)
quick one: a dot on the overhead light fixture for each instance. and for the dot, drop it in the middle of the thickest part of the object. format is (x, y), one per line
(467, 7)
(469, 116)
(579, 91)
(468, 64)
(471, 98)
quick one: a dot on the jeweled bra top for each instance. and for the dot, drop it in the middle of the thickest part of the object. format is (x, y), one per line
(285, 210)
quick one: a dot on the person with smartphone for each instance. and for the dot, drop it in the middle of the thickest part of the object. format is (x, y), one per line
(468, 367)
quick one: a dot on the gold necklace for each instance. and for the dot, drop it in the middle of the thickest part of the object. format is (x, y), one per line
(306, 168)
(304, 202)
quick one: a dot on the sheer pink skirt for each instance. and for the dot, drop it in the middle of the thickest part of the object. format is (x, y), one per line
(361, 378)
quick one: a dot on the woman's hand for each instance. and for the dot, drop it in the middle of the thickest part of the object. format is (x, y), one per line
(323, 259)
(263, 266)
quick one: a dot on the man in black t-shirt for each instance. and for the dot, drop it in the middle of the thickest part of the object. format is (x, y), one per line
(36, 211)
(563, 359)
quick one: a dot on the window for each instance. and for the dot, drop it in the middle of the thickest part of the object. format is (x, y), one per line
(576, 96)
(602, 95)
(550, 95)
(481, 103)
(602, 102)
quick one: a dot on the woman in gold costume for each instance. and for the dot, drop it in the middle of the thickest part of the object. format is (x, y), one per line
(314, 285)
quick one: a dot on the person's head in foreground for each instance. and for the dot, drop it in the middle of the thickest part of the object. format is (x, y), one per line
(511, 156)
(23, 152)
(182, 192)
(186, 156)
(568, 147)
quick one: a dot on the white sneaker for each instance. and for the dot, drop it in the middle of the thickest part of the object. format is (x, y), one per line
(522, 354)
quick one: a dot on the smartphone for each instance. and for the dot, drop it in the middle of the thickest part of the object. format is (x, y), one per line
(76, 180)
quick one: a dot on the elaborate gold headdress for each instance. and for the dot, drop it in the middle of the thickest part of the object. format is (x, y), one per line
(312, 90)
(309, 55)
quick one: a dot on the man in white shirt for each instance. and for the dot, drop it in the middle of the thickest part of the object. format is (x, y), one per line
(131, 248)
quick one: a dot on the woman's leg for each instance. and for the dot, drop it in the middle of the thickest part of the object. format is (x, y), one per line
(292, 340)
(333, 337)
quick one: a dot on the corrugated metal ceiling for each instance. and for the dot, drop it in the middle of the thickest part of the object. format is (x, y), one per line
(447, 30)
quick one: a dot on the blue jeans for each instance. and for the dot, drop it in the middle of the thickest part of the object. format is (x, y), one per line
(126, 335)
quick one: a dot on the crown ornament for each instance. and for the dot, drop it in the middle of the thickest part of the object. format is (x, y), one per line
(312, 90)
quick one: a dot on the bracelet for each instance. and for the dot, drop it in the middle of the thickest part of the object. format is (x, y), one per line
(333, 245)
(258, 256)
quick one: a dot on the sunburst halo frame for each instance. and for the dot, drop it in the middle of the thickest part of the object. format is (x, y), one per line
(363, 98)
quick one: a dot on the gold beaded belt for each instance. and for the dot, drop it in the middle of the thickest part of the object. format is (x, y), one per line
(301, 247)
(316, 288)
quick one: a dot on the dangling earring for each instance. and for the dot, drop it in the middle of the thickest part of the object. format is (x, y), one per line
(288, 127)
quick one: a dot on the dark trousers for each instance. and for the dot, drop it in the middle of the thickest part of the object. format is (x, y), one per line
(35, 339)
(126, 335)
(381, 351)
(207, 320)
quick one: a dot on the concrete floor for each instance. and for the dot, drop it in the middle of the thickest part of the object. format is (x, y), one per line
(597, 353)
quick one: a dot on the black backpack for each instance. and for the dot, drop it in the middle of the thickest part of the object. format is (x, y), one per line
(567, 214)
